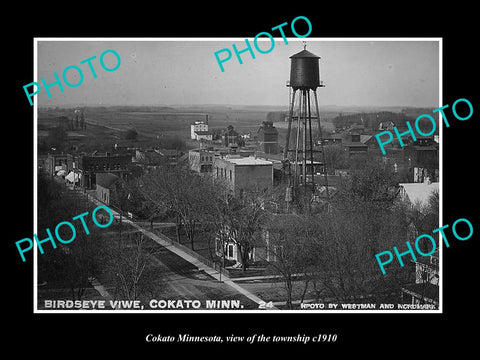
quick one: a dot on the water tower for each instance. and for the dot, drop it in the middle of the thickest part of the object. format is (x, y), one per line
(299, 154)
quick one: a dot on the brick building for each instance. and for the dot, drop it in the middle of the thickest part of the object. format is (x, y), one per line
(90, 166)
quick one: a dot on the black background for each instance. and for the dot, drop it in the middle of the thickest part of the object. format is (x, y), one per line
(363, 334)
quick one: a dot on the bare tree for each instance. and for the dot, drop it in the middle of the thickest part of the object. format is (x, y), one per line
(335, 157)
(132, 267)
(289, 252)
(243, 218)
(179, 191)
(234, 219)
(217, 212)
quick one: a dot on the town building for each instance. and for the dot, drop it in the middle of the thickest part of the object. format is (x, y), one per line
(107, 187)
(201, 160)
(56, 161)
(90, 166)
(230, 250)
(267, 136)
(242, 173)
(198, 126)
(203, 135)
(331, 139)
(353, 144)
(148, 159)
(171, 157)
(423, 158)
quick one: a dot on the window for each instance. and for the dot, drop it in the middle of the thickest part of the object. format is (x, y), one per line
(230, 175)
(230, 251)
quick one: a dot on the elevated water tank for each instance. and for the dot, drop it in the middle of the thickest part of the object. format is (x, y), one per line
(304, 70)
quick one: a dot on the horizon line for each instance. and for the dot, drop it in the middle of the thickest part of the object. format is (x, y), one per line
(229, 105)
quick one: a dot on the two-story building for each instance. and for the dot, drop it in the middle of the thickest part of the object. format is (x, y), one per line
(90, 166)
(241, 173)
(201, 160)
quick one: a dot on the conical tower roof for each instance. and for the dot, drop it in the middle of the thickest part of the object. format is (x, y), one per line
(304, 54)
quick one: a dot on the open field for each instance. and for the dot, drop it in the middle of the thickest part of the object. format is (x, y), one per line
(163, 121)
(106, 126)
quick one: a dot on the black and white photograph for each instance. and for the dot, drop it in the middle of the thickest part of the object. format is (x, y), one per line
(264, 182)
(257, 187)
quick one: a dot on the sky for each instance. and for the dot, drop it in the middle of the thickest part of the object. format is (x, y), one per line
(180, 71)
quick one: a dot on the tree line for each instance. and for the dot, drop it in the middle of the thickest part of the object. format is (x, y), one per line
(371, 121)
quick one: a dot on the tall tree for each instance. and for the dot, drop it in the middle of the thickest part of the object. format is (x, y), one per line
(131, 264)
(290, 252)
(244, 217)
(180, 191)
(72, 264)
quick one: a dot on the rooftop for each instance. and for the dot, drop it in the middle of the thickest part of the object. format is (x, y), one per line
(304, 54)
(419, 192)
(247, 161)
(203, 132)
(106, 180)
(354, 143)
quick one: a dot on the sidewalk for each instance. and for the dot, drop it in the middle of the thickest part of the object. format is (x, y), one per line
(169, 245)
(165, 242)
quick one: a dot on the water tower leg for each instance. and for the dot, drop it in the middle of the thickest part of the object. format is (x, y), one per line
(321, 142)
(297, 143)
(311, 142)
(290, 116)
(304, 145)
